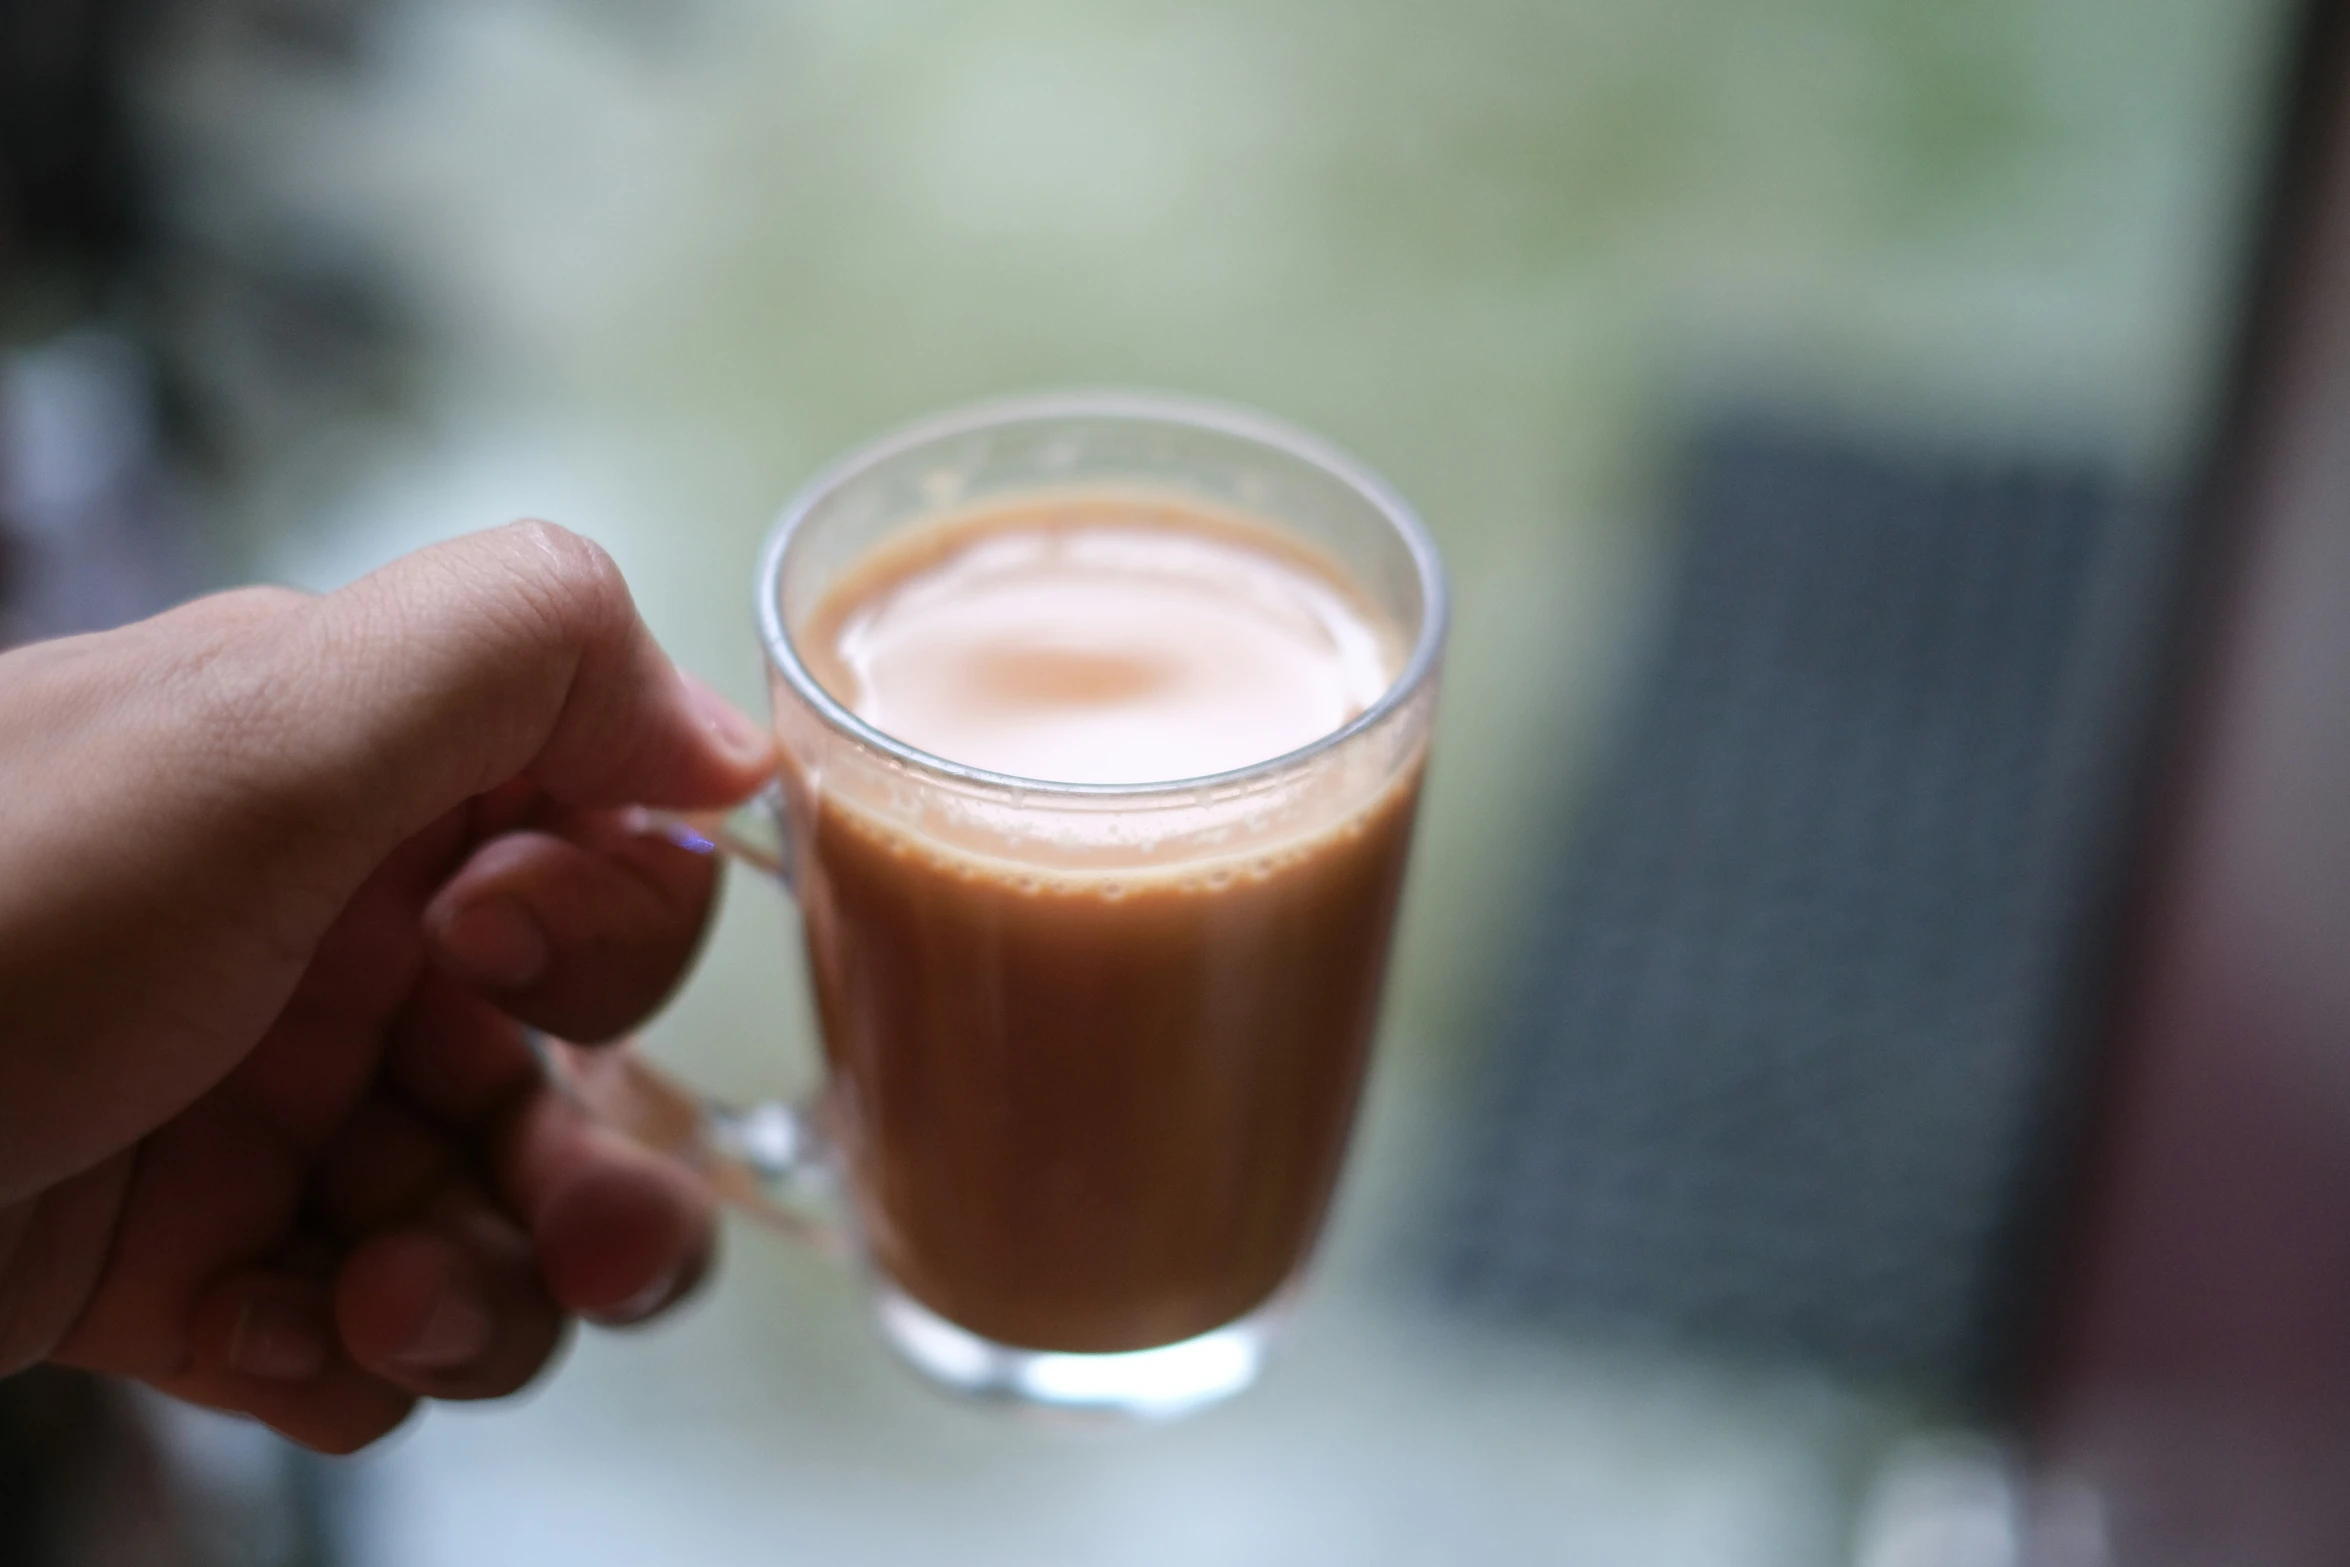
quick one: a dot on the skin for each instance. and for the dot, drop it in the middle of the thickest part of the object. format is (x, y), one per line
(282, 880)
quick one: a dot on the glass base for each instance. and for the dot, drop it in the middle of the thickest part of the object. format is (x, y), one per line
(1142, 1384)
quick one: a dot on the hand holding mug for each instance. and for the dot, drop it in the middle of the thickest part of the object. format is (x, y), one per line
(1101, 723)
(282, 881)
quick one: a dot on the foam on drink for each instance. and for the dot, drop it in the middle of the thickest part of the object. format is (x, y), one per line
(1100, 641)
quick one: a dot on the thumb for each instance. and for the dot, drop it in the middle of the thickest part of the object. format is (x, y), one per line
(516, 652)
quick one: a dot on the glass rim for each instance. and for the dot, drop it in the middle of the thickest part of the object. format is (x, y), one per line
(1246, 424)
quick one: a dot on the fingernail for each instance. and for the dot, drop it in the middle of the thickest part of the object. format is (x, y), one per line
(736, 734)
(496, 942)
(642, 1304)
(277, 1341)
(455, 1332)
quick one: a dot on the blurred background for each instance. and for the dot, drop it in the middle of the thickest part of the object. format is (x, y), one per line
(1806, 395)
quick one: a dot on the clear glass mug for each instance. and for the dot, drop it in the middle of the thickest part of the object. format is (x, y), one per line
(1109, 1219)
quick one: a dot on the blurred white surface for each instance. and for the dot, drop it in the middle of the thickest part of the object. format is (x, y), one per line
(768, 1427)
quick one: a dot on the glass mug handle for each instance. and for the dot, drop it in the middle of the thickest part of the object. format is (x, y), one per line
(767, 1160)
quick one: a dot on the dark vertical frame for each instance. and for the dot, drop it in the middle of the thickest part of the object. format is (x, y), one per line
(2196, 1373)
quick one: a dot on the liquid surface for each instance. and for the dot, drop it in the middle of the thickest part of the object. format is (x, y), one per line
(1099, 639)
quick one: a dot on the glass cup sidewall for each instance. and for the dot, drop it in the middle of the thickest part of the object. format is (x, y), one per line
(832, 761)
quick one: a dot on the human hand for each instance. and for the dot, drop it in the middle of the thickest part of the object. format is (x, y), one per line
(282, 879)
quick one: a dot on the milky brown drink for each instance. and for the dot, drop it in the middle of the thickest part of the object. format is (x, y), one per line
(1094, 1107)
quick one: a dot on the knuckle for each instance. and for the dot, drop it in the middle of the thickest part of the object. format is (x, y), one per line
(229, 678)
(243, 762)
(244, 689)
(571, 582)
(530, 596)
